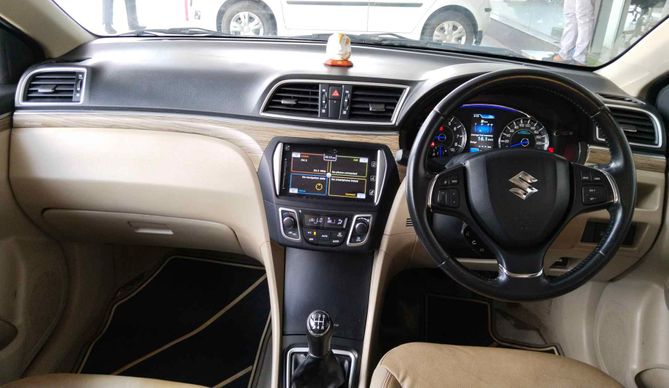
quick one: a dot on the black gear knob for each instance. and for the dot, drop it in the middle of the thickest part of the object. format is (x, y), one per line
(319, 333)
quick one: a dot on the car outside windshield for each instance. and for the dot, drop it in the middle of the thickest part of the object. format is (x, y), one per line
(576, 32)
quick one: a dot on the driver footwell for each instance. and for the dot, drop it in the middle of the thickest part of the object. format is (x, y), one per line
(427, 306)
(196, 321)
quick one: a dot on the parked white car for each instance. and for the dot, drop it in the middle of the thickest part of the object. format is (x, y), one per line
(447, 21)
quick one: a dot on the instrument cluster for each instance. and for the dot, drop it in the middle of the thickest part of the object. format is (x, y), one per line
(484, 127)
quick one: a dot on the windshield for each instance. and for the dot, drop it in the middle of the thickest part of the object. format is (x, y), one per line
(577, 32)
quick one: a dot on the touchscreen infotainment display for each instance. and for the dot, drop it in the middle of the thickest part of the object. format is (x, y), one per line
(340, 173)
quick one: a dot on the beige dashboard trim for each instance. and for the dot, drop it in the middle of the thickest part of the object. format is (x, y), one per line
(5, 121)
(251, 137)
(652, 163)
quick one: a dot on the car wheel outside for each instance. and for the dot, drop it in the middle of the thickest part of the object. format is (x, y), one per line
(449, 27)
(248, 18)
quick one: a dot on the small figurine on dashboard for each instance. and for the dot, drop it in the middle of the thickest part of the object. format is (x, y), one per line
(338, 50)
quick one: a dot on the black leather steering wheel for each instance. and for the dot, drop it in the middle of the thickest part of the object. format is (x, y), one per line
(519, 200)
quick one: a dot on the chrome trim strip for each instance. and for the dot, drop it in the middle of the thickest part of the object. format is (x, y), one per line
(380, 175)
(297, 219)
(612, 183)
(430, 191)
(520, 275)
(392, 121)
(351, 355)
(657, 125)
(277, 159)
(224, 120)
(350, 232)
(19, 100)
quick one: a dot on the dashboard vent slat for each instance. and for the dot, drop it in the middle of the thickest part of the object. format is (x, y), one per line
(54, 86)
(374, 103)
(639, 126)
(294, 99)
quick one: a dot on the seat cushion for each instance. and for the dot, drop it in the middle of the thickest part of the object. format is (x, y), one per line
(432, 365)
(65, 380)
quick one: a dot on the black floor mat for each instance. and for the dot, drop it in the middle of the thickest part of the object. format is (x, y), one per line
(195, 321)
(427, 306)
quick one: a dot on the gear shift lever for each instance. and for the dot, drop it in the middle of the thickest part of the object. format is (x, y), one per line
(319, 333)
(320, 369)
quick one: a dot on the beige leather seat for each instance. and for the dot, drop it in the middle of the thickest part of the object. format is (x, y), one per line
(419, 365)
(92, 381)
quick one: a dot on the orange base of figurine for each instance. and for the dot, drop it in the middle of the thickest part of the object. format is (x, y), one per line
(338, 63)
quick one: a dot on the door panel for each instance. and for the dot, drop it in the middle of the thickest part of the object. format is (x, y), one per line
(396, 15)
(33, 275)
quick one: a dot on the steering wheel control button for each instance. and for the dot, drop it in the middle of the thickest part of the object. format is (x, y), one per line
(453, 198)
(597, 177)
(290, 228)
(441, 197)
(360, 230)
(586, 177)
(593, 195)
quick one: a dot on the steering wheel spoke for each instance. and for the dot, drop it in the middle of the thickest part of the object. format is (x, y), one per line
(593, 189)
(447, 193)
(521, 264)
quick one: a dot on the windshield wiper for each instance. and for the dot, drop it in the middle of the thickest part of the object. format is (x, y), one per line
(397, 40)
(175, 31)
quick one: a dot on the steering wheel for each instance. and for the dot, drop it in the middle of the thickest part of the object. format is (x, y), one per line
(519, 200)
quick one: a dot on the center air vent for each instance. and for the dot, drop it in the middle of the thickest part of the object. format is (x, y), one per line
(361, 103)
(641, 127)
(54, 86)
(374, 103)
(294, 99)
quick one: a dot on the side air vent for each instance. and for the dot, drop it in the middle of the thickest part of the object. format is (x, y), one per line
(409, 223)
(374, 103)
(294, 99)
(641, 127)
(54, 86)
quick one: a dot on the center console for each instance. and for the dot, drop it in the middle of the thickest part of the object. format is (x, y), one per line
(327, 203)
(329, 196)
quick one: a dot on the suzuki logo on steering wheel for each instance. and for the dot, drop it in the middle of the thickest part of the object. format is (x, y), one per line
(523, 182)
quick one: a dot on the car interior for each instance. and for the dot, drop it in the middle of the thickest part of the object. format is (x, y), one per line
(186, 207)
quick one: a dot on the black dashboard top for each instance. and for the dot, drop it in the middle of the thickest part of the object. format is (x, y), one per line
(231, 77)
(234, 77)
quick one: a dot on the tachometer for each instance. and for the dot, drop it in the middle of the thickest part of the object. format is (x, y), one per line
(525, 132)
(449, 139)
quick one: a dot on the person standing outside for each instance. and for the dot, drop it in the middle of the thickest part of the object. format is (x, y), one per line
(108, 15)
(578, 28)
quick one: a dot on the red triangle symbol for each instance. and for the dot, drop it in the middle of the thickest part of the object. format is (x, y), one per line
(335, 93)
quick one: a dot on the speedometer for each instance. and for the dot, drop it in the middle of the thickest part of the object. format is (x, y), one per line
(525, 132)
(449, 139)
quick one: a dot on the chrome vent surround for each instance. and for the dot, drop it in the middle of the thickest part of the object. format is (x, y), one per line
(294, 99)
(371, 103)
(52, 86)
(642, 128)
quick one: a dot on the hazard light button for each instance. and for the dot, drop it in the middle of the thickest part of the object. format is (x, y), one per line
(334, 93)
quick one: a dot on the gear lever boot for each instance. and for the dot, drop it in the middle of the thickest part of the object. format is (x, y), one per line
(320, 369)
